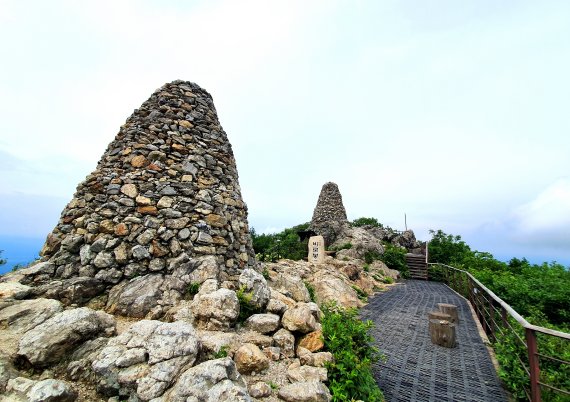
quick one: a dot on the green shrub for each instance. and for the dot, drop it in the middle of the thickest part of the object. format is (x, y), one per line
(192, 289)
(223, 352)
(246, 307)
(346, 337)
(311, 290)
(265, 273)
(395, 258)
(371, 256)
(362, 295)
(366, 222)
(366, 267)
(388, 280)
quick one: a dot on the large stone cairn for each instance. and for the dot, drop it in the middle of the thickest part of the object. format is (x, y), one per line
(329, 216)
(164, 203)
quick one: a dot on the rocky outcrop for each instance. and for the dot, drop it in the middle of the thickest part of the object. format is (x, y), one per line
(146, 360)
(329, 216)
(48, 342)
(164, 195)
(214, 380)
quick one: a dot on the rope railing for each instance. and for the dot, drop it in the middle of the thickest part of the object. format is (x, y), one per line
(498, 320)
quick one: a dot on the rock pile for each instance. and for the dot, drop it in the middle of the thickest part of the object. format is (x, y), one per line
(162, 210)
(329, 215)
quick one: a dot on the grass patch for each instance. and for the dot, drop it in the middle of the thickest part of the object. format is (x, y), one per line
(311, 290)
(362, 295)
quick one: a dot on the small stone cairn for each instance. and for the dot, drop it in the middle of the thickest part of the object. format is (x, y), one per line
(164, 203)
(329, 216)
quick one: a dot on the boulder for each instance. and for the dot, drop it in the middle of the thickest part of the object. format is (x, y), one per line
(263, 341)
(263, 323)
(207, 269)
(80, 290)
(214, 341)
(215, 311)
(81, 359)
(24, 315)
(146, 359)
(212, 381)
(298, 373)
(260, 390)
(276, 306)
(291, 286)
(362, 242)
(51, 390)
(286, 341)
(313, 341)
(333, 289)
(310, 391)
(13, 289)
(137, 297)
(299, 319)
(249, 358)
(48, 342)
(254, 283)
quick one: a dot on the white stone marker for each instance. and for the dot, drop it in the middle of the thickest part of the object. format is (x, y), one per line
(316, 249)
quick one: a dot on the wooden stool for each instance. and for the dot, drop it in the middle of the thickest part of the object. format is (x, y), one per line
(442, 333)
(450, 309)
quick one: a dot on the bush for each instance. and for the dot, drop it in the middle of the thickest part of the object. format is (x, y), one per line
(311, 290)
(246, 307)
(366, 222)
(371, 256)
(362, 295)
(395, 258)
(346, 337)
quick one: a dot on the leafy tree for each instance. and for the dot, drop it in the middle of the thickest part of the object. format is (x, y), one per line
(447, 249)
(285, 244)
(367, 221)
(2, 260)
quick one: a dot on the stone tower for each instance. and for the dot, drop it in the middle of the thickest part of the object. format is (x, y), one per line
(329, 215)
(164, 203)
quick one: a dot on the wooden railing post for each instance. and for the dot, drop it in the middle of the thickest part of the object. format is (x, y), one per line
(533, 365)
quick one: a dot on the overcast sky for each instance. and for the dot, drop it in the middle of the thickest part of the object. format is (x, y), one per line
(455, 113)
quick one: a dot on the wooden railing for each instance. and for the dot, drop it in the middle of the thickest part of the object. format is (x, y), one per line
(499, 320)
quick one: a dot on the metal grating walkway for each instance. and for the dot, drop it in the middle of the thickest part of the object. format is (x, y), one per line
(417, 370)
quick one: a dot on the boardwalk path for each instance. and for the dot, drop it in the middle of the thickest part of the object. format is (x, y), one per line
(417, 370)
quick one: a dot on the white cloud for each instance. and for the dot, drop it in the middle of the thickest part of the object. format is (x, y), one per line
(545, 221)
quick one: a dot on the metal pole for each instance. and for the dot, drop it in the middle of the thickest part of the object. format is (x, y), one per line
(492, 318)
(533, 365)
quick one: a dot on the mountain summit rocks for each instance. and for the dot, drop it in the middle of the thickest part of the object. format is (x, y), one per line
(163, 206)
